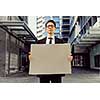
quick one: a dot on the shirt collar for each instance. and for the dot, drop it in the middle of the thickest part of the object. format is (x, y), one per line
(51, 37)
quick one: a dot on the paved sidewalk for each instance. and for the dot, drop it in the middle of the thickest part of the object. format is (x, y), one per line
(82, 76)
(78, 76)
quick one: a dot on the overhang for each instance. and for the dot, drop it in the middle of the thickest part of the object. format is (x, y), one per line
(91, 37)
(18, 29)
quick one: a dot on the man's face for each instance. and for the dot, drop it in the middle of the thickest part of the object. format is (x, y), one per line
(50, 29)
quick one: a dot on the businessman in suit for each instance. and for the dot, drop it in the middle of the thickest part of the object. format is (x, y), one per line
(50, 27)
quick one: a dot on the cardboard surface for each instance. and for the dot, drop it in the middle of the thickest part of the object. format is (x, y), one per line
(50, 59)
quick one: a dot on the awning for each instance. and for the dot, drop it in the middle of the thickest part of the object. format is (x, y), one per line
(18, 29)
(91, 37)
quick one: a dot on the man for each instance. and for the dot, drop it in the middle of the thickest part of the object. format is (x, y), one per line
(51, 39)
(50, 29)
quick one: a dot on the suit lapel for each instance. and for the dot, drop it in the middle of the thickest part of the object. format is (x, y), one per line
(43, 41)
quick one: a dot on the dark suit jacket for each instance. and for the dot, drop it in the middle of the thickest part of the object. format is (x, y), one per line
(57, 41)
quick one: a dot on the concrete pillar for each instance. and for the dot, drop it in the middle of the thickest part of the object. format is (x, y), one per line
(2, 52)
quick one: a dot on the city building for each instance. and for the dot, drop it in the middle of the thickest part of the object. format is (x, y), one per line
(85, 40)
(40, 29)
(15, 39)
(65, 27)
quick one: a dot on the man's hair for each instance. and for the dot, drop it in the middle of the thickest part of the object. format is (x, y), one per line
(52, 21)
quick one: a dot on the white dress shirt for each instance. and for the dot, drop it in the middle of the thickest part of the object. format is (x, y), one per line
(53, 40)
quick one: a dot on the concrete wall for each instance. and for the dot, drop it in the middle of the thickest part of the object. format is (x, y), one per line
(9, 50)
(9, 53)
(12, 53)
(10, 58)
(2, 52)
(94, 51)
(12, 62)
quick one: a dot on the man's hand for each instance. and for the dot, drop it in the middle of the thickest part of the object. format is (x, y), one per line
(30, 55)
(70, 58)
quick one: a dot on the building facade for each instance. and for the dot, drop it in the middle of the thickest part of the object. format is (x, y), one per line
(85, 40)
(14, 43)
(65, 27)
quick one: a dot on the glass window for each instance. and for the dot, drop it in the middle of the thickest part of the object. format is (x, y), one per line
(57, 30)
(97, 60)
(78, 60)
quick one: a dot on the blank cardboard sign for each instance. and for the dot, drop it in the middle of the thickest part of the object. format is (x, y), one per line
(50, 59)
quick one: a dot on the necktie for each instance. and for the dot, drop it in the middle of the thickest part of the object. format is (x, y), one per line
(50, 42)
